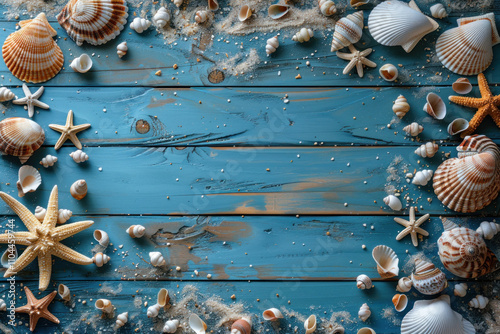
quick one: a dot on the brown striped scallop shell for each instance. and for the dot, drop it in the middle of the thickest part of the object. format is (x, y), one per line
(93, 21)
(30, 53)
(471, 181)
(20, 137)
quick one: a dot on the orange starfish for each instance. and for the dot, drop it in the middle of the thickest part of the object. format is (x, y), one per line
(37, 308)
(486, 105)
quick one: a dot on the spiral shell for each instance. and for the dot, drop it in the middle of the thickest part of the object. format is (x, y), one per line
(242, 326)
(121, 49)
(64, 292)
(100, 259)
(277, 11)
(136, 231)
(79, 156)
(153, 311)
(414, 129)
(422, 177)
(387, 261)
(428, 279)
(104, 305)
(364, 312)
(393, 202)
(427, 150)
(213, 5)
(327, 7)
(171, 326)
(139, 25)
(348, 30)
(271, 45)
(272, 314)
(471, 181)
(3, 305)
(20, 137)
(479, 302)
(161, 18)
(64, 216)
(245, 13)
(6, 94)
(438, 11)
(177, 3)
(309, 324)
(40, 213)
(201, 16)
(101, 237)
(388, 72)
(156, 259)
(48, 161)
(121, 319)
(457, 126)
(462, 86)
(82, 64)
(460, 290)
(78, 189)
(488, 230)
(304, 35)
(435, 106)
(400, 302)
(401, 106)
(364, 282)
(196, 324)
(404, 284)
(29, 180)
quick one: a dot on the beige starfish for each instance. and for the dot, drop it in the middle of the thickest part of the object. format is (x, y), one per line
(42, 239)
(69, 131)
(31, 100)
(356, 58)
(412, 226)
(37, 308)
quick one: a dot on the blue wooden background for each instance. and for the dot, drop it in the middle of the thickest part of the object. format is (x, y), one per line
(232, 181)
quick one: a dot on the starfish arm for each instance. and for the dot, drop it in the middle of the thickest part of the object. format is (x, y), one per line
(74, 139)
(57, 127)
(20, 101)
(66, 253)
(401, 221)
(26, 258)
(495, 114)
(40, 104)
(80, 128)
(26, 90)
(422, 220)
(471, 102)
(45, 267)
(64, 231)
(475, 122)
(52, 214)
(403, 233)
(23, 309)
(483, 85)
(60, 141)
(69, 119)
(49, 316)
(422, 231)
(38, 93)
(29, 296)
(359, 68)
(414, 239)
(45, 301)
(369, 63)
(412, 215)
(20, 238)
(24, 214)
(345, 56)
(31, 109)
(365, 52)
(349, 67)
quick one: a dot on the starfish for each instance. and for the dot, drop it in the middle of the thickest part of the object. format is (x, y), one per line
(486, 105)
(43, 238)
(31, 100)
(412, 226)
(37, 308)
(356, 58)
(69, 131)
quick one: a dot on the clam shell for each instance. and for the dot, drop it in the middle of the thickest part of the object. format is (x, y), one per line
(31, 54)
(101, 237)
(104, 305)
(29, 180)
(242, 326)
(64, 292)
(467, 49)
(272, 314)
(427, 150)
(457, 126)
(82, 64)
(9, 256)
(435, 106)
(196, 324)
(395, 23)
(366, 330)
(245, 13)
(400, 302)
(364, 282)
(393, 202)
(348, 30)
(488, 230)
(387, 261)
(388, 72)
(78, 189)
(428, 279)
(20, 137)
(462, 86)
(93, 21)
(278, 11)
(171, 326)
(327, 7)
(438, 11)
(460, 290)
(364, 312)
(401, 106)
(6, 94)
(479, 302)
(404, 284)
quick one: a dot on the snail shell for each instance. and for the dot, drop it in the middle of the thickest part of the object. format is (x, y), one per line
(400, 302)
(161, 18)
(177, 3)
(277, 11)
(404, 284)
(428, 279)
(64, 292)
(479, 302)
(435, 106)
(460, 290)
(196, 324)
(3, 305)
(242, 326)
(348, 30)
(488, 230)
(121, 319)
(64, 216)
(100, 259)
(364, 312)
(422, 177)
(327, 7)
(364, 282)
(153, 311)
(272, 314)
(121, 49)
(136, 231)
(101, 237)
(171, 326)
(82, 64)
(79, 156)
(309, 324)
(157, 259)
(48, 161)
(40, 213)
(414, 129)
(201, 16)
(20, 137)
(304, 35)
(245, 13)
(427, 150)
(78, 189)
(104, 305)
(140, 25)
(401, 106)
(457, 126)
(462, 86)
(438, 11)
(387, 261)
(6, 94)
(388, 72)
(272, 44)
(393, 202)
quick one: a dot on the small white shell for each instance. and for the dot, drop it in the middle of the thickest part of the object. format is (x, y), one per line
(201, 16)
(488, 230)
(303, 35)
(121, 319)
(327, 7)
(3, 305)
(163, 297)
(422, 177)
(40, 213)
(79, 156)
(171, 326)
(388, 72)
(277, 11)
(460, 290)
(348, 30)
(245, 13)
(414, 129)
(272, 314)
(364, 312)
(400, 302)
(387, 261)
(48, 161)
(100, 259)
(101, 237)
(136, 231)
(271, 45)
(435, 106)
(9, 256)
(63, 291)
(121, 49)
(156, 259)
(196, 324)
(364, 282)
(6, 94)
(213, 5)
(177, 3)
(140, 25)
(479, 302)
(104, 305)
(161, 18)
(427, 150)
(153, 311)
(64, 216)
(404, 284)
(462, 86)
(78, 189)
(310, 324)
(81, 64)
(438, 11)
(457, 126)
(29, 180)
(366, 330)
(393, 202)
(401, 106)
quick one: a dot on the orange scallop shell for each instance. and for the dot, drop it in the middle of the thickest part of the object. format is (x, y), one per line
(20, 137)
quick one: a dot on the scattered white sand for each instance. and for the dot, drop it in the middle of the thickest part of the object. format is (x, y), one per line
(107, 289)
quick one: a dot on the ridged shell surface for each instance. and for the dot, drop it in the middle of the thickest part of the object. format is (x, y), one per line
(348, 30)
(387, 261)
(20, 137)
(93, 21)
(428, 279)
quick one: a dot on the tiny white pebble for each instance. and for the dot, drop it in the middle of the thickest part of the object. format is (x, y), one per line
(345, 204)
(100, 169)
(363, 246)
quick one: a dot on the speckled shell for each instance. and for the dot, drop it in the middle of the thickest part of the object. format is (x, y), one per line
(479, 302)
(428, 279)
(64, 216)
(488, 230)
(241, 326)
(348, 30)
(161, 18)
(139, 25)
(435, 106)
(414, 129)
(78, 189)
(201, 16)
(6, 94)
(364, 312)
(93, 21)
(404, 284)
(303, 35)
(401, 106)
(387, 261)
(364, 282)
(438, 11)
(471, 181)
(427, 150)
(422, 177)
(31, 54)
(327, 7)
(460, 290)
(272, 44)
(20, 137)
(121, 319)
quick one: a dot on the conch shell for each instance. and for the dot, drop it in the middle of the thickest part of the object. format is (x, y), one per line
(364, 312)
(104, 305)
(6, 94)
(48, 161)
(422, 177)
(82, 64)
(63, 291)
(121, 319)
(393, 202)
(64, 216)
(121, 49)
(242, 326)
(271, 45)
(404, 284)
(201, 16)
(388, 72)
(435, 106)
(460, 290)
(100, 259)
(20, 137)
(438, 11)
(400, 302)
(327, 7)
(364, 282)
(487, 230)
(136, 231)
(101, 237)
(79, 156)
(196, 324)
(401, 106)
(427, 150)
(414, 129)
(348, 30)
(140, 25)
(157, 259)
(272, 314)
(479, 302)
(78, 189)
(462, 86)
(161, 18)
(29, 180)
(304, 35)
(428, 279)
(387, 261)
(171, 326)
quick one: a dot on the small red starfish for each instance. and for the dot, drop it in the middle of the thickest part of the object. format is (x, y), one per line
(37, 308)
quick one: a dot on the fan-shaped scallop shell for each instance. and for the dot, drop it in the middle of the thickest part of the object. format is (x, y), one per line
(438, 11)
(404, 284)
(471, 181)
(462, 86)
(387, 261)
(395, 23)
(20, 137)
(479, 302)
(460, 290)
(364, 312)
(427, 150)
(488, 230)
(6, 94)
(435, 106)
(364, 282)
(428, 279)
(348, 30)
(93, 21)
(467, 49)
(29, 180)
(327, 7)
(242, 326)
(401, 106)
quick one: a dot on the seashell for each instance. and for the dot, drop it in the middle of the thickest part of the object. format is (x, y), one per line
(100, 259)
(387, 261)
(104, 305)
(487, 230)
(309, 324)
(3, 305)
(196, 324)
(428, 150)
(93, 21)
(81, 64)
(245, 13)
(457, 126)
(6, 94)
(468, 48)
(156, 259)
(171, 326)
(161, 18)
(401, 106)
(136, 231)
(121, 319)
(348, 30)
(462, 86)
(400, 302)
(9, 256)
(153, 311)
(163, 298)
(213, 5)
(364, 282)
(428, 279)
(40, 213)
(101, 237)
(20, 137)
(63, 291)
(364, 312)
(79, 156)
(271, 45)
(422, 177)
(438, 11)
(479, 302)
(177, 3)
(272, 314)
(64, 216)
(435, 316)
(388, 72)
(29, 180)
(327, 7)
(366, 330)
(48, 161)
(30, 53)
(277, 11)
(78, 189)
(121, 49)
(242, 326)
(139, 25)
(404, 284)
(304, 35)
(463, 252)
(201, 16)
(460, 290)
(471, 181)
(435, 106)
(394, 23)
(357, 3)
(414, 129)
(393, 202)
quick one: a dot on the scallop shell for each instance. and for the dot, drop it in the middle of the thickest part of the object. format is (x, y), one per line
(100, 259)
(30, 53)
(140, 25)
(29, 180)
(153, 311)
(156, 259)
(463, 252)
(272, 314)
(467, 49)
(348, 30)
(393, 202)
(428, 279)
(327, 7)
(242, 326)
(121, 319)
(364, 282)
(460, 290)
(488, 230)
(462, 86)
(48, 161)
(136, 231)
(277, 11)
(79, 156)
(93, 21)
(40, 213)
(401, 106)
(121, 49)
(163, 297)
(171, 326)
(6, 94)
(64, 216)
(400, 302)
(479, 302)
(404, 284)
(201, 16)
(387, 261)
(20, 137)
(161, 18)
(271, 45)
(213, 5)
(388, 72)
(64, 292)
(457, 126)
(471, 181)
(196, 324)
(395, 23)
(101, 237)
(414, 129)
(78, 189)
(245, 13)
(81, 64)
(438, 11)
(435, 106)
(427, 150)
(435, 316)
(9, 256)
(366, 330)
(422, 177)
(3, 305)
(304, 35)
(364, 312)
(104, 305)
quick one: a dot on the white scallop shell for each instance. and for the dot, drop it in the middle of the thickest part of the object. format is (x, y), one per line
(121, 319)
(48, 161)
(201, 16)
(81, 64)
(310, 324)
(400, 302)
(40, 213)
(272, 44)
(196, 324)
(438, 11)
(121, 49)
(177, 3)
(327, 7)
(457, 126)
(136, 231)
(6, 94)
(488, 230)
(104, 305)
(9, 256)
(422, 177)
(100, 259)
(394, 23)
(153, 311)
(78, 189)
(364, 282)
(161, 18)
(79, 156)
(401, 106)
(171, 326)
(387, 261)
(278, 11)
(479, 302)
(435, 106)
(393, 202)
(388, 72)
(3, 305)
(404, 284)
(64, 292)
(460, 290)
(414, 129)
(64, 216)
(272, 314)
(428, 279)
(29, 180)
(364, 312)
(365, 330)
(462, 86)
(245, 13)
(348, 30)
(427, 150)
(101, 237)
(304, 35)
(156, 259)
(139, 25)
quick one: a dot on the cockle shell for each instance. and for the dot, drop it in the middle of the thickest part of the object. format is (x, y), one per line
(78, 189)
(9, 256)
(93, 21)
(3, 305)
(161, 18)
(438, 11)
(121, 319)
(487, 230)
(404, 284)
(101, 237)
(271, 45)
(463, 251)
(393, 202)
(457, 126)
(460, 290)
(400, 302)
(427, 150)
(387, 261)
(479, 302)
(156, 259)
(20, 137)
(153, 311)
(136, 231)
(163, 297)
(395, 23)
(48, 161)
(365, 330)
(79, 156)
(401, 106)
(414, 129)
(435, 316)
(422, 177)
(462, 86)
(29, 180)
(6, 94)
(100, 259)
(364, 282)
(30, 53)
(242, 326)
(327, 7)
(104, 305)
(245, 13)
(428, 279)
(121, 49)
(213, 5)
(468, 48)
(196, 324)
(82, 64)
(40, 213)
(348, 30)
(201, 16)
(272, 314)
(64, 216)
(304, 35)
(177, 3)
(171, 326)
(435, 106)
(64, 292)
(364, 312)
(471, 181)
(388, 72)
(139, 25)
(277, 11)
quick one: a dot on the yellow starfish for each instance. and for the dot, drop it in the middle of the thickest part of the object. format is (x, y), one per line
(43, 239)
(412, 226)
(69, 131)
(486, 105)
